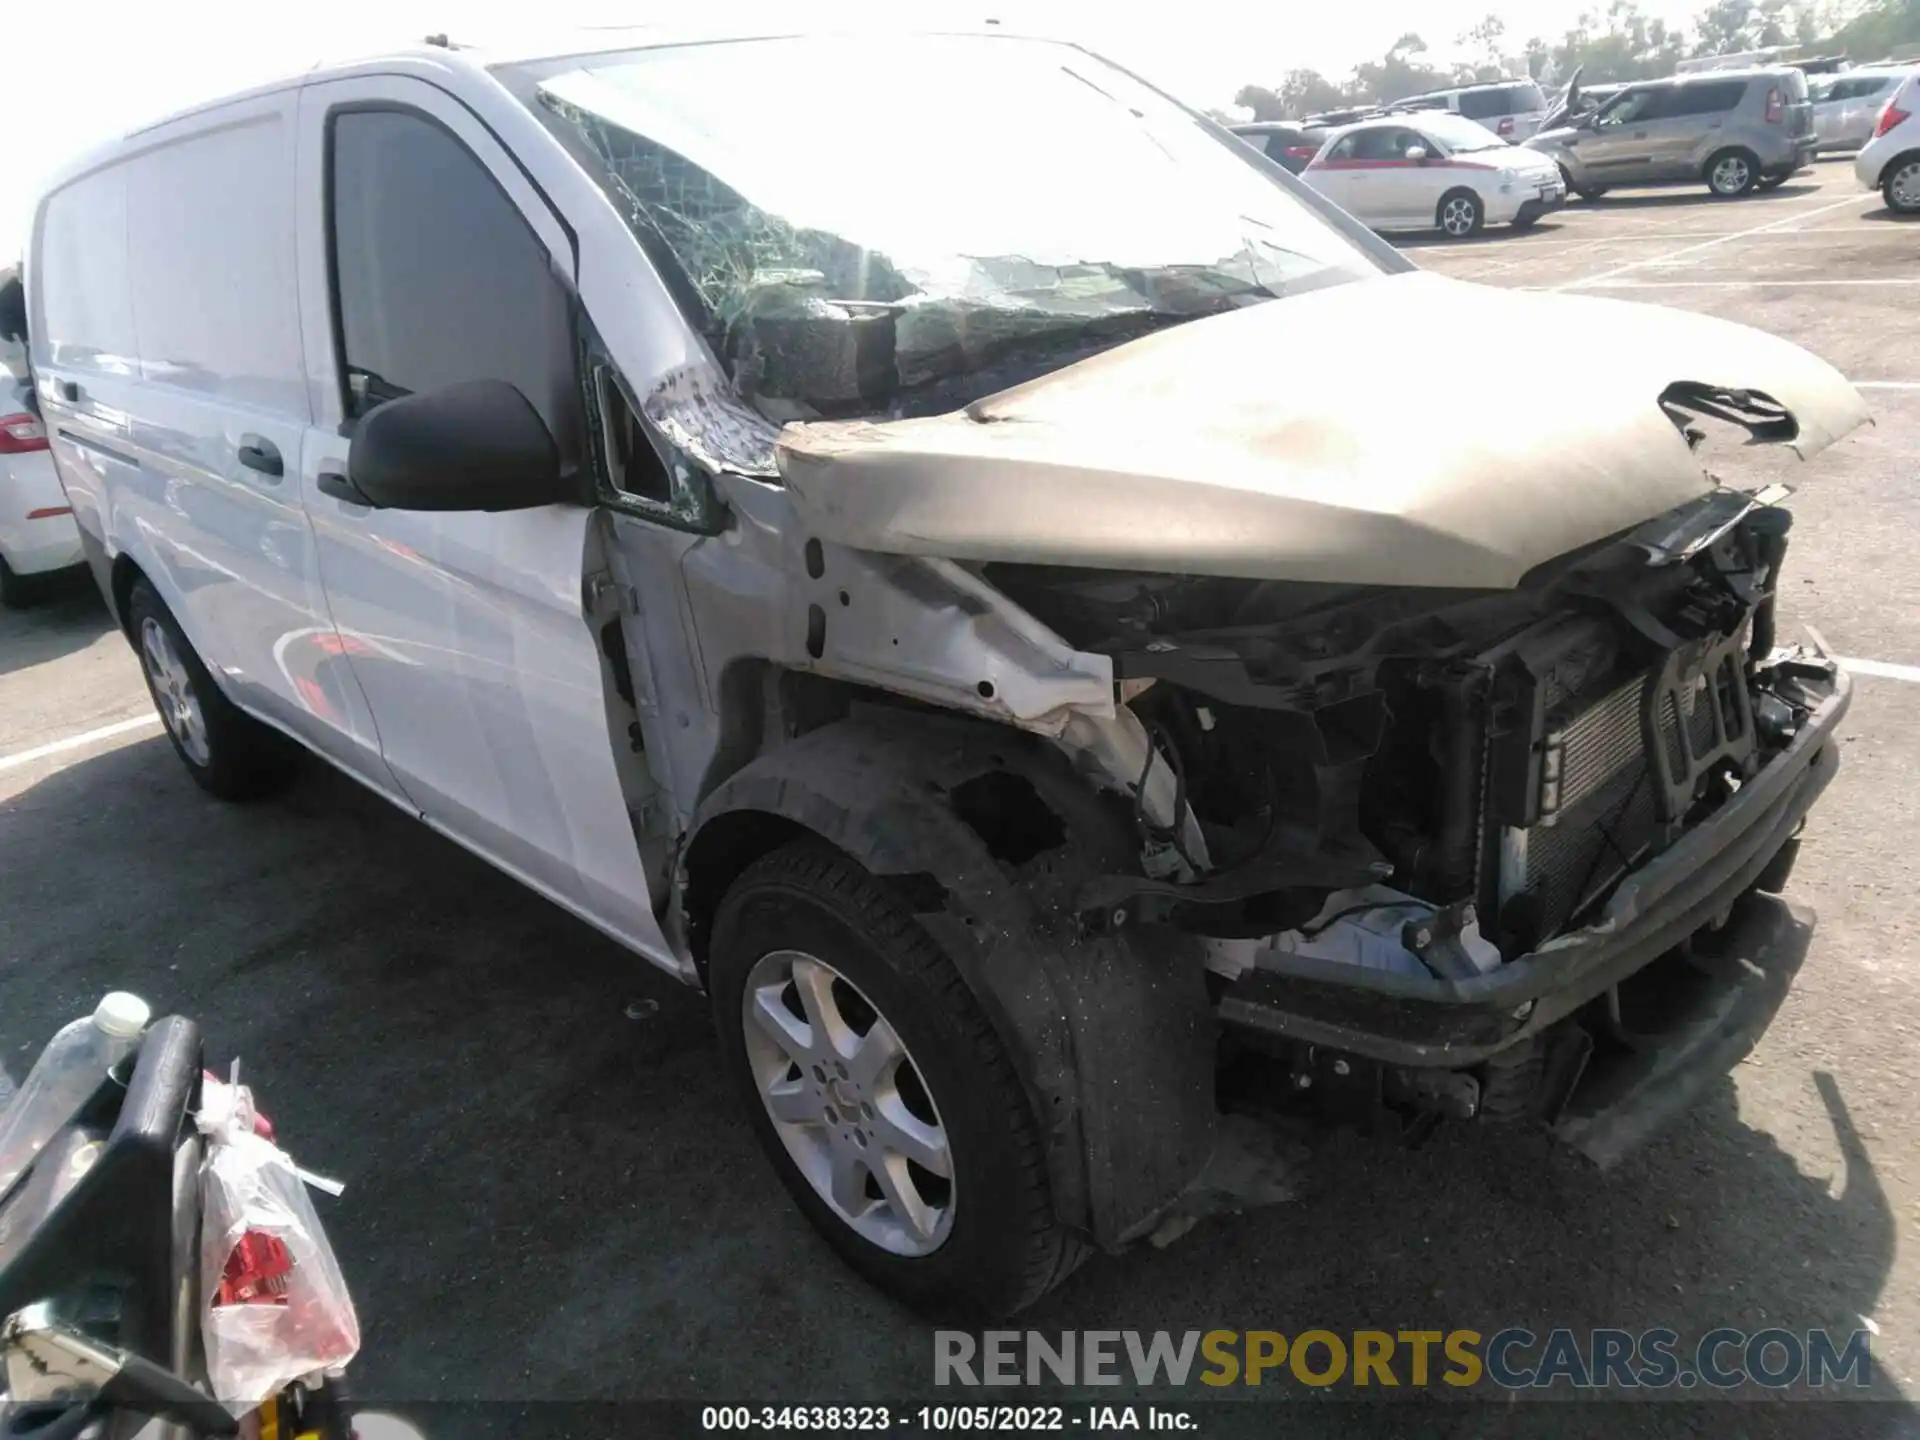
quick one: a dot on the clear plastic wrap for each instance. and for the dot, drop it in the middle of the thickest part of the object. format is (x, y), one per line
(274, 1305)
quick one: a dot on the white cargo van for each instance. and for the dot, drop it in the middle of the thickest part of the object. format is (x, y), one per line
(892, 577)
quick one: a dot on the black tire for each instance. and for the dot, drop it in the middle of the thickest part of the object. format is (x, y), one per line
(1005, 1247)
(1524, 222)
(1722, 168)
(1590, 193)
(1771, 182)
(243, 759)
(15, 589)
(1461, 202)
(1900, 184)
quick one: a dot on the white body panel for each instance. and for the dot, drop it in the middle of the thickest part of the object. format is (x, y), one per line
(1872, 161)
(34, 544)
(466, 631)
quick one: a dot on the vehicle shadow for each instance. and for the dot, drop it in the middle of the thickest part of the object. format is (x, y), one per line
(1491, 235)
(67, 614)
(1890, 217)
(1678, 197)
(552, 1194)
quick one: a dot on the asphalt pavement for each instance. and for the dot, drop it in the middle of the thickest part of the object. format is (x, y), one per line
(551, 1194)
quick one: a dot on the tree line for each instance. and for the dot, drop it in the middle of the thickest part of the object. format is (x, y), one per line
(1624, 43)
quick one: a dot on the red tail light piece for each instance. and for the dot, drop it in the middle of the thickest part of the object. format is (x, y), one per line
(21, 434)
(256, 1272)
(1889, 117)
(1776, 107)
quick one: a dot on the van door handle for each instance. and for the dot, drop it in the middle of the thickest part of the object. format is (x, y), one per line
(262, 456)
(332, 483)
(69, 391)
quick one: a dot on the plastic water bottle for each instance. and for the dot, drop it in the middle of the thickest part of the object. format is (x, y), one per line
(67, 1073)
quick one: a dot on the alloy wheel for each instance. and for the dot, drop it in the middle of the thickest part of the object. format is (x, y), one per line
(1903, 188)
(1457, 216)
(848, 1102)
(1730, 176)
(173, 692)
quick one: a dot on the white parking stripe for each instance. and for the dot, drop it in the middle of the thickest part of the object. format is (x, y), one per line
(1882, 669)
(1782, 223)
(77, 742)
(1731, 284)
(1885, 384)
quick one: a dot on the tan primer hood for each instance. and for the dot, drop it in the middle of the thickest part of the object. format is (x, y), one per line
(1410, 430)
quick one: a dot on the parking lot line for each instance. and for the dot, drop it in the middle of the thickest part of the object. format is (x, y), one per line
(1885, 670)
(77, 742)
(1885, 384)
(1794, 219)
(1732, 284)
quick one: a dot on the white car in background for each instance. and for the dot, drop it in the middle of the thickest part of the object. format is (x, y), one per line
(1434, 172)
(1890, 161)
(37, 533)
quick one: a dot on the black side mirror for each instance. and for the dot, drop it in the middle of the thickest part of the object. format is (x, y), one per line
(476, 446)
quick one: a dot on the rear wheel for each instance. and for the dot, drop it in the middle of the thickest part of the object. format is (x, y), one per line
(1901, 185)
(227, 751)
(885, 1098)
(1732, 173)
(1460, 214)
(1589, 193)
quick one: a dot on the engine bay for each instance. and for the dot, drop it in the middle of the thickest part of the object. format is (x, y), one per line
(1433, 781)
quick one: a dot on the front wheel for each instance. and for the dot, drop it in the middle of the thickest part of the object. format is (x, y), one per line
(1590, 193)
(226, 751)
(1770, 182)
(883, 1095)
(1732, 173)
(1461, 214)
(1901, 186)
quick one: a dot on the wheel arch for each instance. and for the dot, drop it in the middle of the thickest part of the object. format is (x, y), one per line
(1112, 1034)
(1886, 170)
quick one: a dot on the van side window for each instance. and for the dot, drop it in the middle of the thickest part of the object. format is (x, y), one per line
(438, 278)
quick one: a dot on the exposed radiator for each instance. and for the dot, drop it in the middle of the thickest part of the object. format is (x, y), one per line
(1582, 778)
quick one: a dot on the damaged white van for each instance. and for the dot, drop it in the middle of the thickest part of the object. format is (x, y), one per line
(997, 600)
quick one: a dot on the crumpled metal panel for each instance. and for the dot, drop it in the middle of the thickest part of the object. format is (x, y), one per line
(1390, 432)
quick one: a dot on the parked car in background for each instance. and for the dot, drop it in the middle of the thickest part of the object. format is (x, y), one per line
(1890, 160)
(37, 533)
(1734, 132)
(1511, 109)
(1846, 108)
(1434, 170)
(1284, 142)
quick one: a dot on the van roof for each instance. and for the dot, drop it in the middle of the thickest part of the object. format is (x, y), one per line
(494, 49)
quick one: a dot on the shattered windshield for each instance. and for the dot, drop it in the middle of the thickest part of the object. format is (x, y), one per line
(897, 225)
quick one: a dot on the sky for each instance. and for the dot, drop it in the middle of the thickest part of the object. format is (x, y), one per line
(77, 74)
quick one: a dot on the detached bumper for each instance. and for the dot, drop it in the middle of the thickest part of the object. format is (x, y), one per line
(1743, 977)
(1426, 1022)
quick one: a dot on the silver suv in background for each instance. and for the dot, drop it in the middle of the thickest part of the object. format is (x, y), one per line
(1512, 109)
(1734, 132)
(1847, 107)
